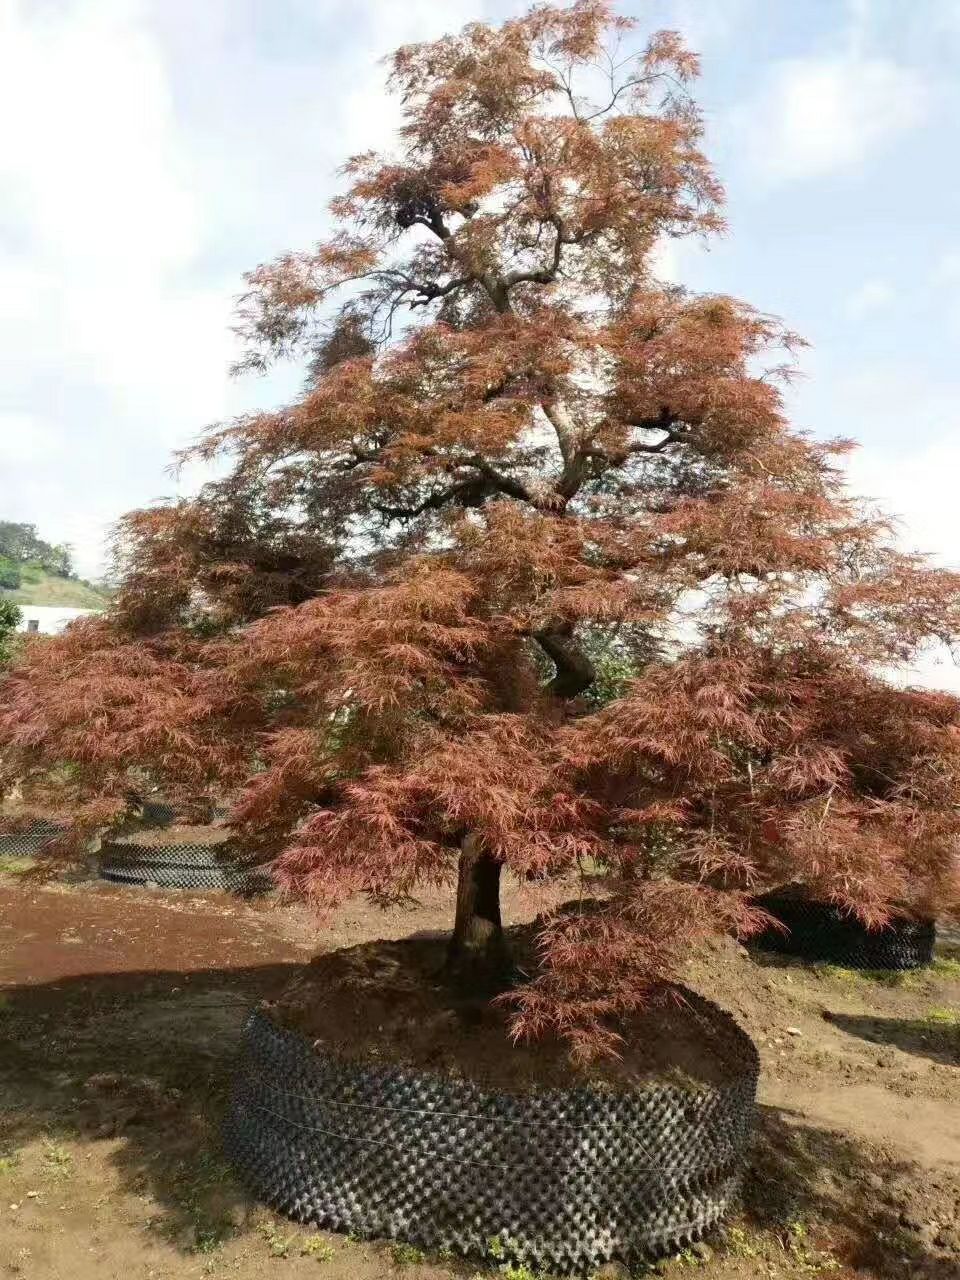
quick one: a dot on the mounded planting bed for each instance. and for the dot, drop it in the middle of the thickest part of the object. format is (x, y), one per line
(819, 931)
(371, 1099)
(181, 858)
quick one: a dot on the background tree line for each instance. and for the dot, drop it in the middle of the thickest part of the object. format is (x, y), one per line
(21, 545)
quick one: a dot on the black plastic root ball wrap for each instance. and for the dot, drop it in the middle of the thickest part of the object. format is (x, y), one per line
(821, 932)
(563, 1179)
(190, 865)
(30, 840)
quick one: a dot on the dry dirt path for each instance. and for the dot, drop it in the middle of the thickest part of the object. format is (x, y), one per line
(120, 1013)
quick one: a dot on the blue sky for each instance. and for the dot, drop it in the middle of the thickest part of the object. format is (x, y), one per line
(152, 150)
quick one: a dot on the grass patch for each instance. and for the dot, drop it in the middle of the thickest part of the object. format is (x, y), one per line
(12, 865)
(808, 1260)
(947, 967)
(833, 973)
(197, 1192)
(740, 1244)
(942, 1018)
(903, 979)
(39, 587)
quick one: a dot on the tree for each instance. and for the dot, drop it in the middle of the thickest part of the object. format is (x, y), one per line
(516, 449)
(20, 544)
(10, 617)
(17, 541)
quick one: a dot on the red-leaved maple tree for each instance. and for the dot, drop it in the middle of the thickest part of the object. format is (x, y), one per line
(534, 575)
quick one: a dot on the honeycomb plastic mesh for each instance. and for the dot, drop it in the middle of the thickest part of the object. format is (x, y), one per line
(567, 1179)
(190, 865)
(822, 932)
(30, 840)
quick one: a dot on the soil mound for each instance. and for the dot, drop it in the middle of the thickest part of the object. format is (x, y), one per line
(391, 1002)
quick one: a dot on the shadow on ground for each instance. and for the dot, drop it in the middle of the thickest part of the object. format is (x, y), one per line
(145, 1058)
(869, 1204)
(926, 1039)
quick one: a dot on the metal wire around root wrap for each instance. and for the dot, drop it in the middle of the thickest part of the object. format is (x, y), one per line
(563, 1179)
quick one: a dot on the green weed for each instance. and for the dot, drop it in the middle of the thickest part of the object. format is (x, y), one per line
(194, 1180)
(503, 1252)
(12, 865)
(321, 1250)
(278, 1243)
(57, 1160)
(208, 1239)
(496, 1248)
(806, 1259)
(739, 1243)
(406, 1255)
(689, 1259)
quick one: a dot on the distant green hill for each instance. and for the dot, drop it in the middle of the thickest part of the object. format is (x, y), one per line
(38, 586)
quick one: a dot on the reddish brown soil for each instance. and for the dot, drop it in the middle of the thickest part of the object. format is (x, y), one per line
(121, 1013)
(51, 933)
(392, 1001)
(163, 837)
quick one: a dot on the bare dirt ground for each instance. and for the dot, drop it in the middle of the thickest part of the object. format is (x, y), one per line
(121, 1012)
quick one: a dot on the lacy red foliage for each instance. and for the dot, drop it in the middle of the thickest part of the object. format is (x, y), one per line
(379, 628)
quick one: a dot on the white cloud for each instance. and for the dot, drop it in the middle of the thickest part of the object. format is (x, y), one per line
(918, 486)
(815, 116)
(25, 439)
(146, 158)
(872, 295)
(101, 228)
(947, 270)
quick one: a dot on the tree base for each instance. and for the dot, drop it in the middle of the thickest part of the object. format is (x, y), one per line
(389, 1113)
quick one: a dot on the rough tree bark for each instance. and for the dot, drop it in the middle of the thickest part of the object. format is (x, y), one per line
(478, 950)
(478, 947)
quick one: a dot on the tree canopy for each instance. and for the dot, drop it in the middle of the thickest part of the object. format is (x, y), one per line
(20, 544)
(376, 630)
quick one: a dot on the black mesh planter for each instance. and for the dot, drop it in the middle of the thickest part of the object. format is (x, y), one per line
(30, 840)
(564, 1178)
(206, 860)
(821, 932)
(159, 813)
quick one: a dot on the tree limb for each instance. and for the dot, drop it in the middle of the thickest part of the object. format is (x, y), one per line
(575, 672)
(471, 491)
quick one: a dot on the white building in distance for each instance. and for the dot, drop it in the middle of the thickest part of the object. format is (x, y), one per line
(48, 619)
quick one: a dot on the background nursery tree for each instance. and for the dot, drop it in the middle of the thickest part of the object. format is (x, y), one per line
(513, 445)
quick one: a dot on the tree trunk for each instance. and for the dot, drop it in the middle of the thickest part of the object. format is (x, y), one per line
(478, 949)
